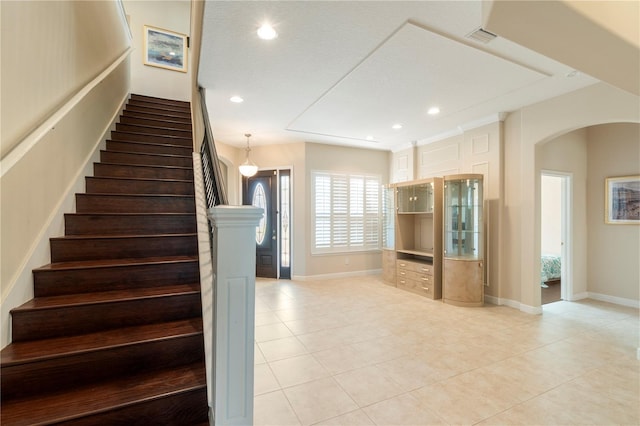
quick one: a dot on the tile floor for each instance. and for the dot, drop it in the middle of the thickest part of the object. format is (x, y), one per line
(357, 352)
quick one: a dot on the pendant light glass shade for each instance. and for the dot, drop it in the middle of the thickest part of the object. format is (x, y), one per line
(248, 168)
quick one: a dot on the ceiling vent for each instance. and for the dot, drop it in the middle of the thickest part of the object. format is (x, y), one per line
(481, 35)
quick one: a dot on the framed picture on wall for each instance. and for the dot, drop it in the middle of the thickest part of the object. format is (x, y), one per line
(165, 49)
(622, 200)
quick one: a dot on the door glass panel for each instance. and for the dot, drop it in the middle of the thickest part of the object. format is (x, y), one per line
(285, 256)
(260, 200)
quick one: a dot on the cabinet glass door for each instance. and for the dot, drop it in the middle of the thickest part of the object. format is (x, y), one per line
(423, 198)
(388, 218)
(463, 218)
(405, 199)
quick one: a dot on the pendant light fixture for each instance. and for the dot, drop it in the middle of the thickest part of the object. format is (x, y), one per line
(248, 168)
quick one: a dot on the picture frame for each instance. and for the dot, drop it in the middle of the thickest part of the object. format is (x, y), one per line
(622, 200)
(165, 49)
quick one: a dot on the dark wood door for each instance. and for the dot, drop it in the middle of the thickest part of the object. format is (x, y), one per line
(261, 191)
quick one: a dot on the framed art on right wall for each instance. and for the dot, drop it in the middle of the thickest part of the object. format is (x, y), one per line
(622, 200)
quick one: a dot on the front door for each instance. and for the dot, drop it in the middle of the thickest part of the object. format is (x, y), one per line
(261, 191)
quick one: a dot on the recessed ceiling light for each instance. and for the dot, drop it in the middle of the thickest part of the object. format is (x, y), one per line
(369, 138)
(267, 32)
(433, 110)
(397, 126)
(236, 99)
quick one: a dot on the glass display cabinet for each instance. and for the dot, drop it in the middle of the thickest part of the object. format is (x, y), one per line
(418, 237)
(388, 234)
(463, 234)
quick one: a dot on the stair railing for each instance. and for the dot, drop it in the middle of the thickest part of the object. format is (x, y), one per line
(227, 277)
(215, 188)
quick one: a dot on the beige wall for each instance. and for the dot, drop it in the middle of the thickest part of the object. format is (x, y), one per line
(173, 15)
(51, 49)
(614, 250)
(568, 154)
(340, 159)
(523, 130)
(302, 158)
(87, 84)
(477, 150)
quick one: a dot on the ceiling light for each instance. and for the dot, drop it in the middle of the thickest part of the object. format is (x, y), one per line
(433, 110)
(248, 168)
(369, 138)
(236, 99)
(397, 126)
(267, 32)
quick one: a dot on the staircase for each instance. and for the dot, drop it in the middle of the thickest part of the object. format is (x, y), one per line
(114, 334)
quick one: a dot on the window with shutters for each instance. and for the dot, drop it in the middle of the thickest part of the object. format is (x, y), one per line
(346, 211)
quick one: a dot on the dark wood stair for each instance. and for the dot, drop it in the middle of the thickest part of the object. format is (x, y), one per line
(114, 334)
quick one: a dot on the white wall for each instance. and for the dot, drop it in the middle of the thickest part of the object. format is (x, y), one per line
(74, 64)
(172, 15)
(614, 250)
(551, 221)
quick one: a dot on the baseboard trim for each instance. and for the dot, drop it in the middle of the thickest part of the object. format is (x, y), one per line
(337, 275)
(513, 304)
(614, 299)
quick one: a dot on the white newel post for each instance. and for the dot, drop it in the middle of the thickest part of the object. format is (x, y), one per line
(234, 296)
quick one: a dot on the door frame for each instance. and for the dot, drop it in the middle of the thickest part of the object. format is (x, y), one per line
(278, 170)
(566, 231)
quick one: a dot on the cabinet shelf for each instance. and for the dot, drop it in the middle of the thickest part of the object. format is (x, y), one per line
(417, 253)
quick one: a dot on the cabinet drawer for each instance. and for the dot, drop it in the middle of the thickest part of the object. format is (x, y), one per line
(421, 268)
(420, 287)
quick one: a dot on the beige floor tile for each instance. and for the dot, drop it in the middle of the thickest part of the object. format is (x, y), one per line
(354, 418)
(341, 359)
(273, 409)
(319, 400)
(410, 372)
(258, 358)
(265, 318)
(274, 350)
(296, 370)
(402, 410)
(263, 380)
(368, 385)
(278, 330)
(360, 342)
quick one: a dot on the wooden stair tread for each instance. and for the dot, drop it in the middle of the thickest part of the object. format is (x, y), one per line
(73, 404)
(156, 116)
(110, 263)
(107, 297)
(116, 236)
(142, 179)
(137, 195)
(149, 154)
(144, 165)
(38, 350)
(150, 143)
(169, 137)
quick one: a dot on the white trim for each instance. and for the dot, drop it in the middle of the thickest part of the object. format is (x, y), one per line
(577, 296)
(33, 138)
(614, 299)
(336, 275)
(123, 18)
(513, 304)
